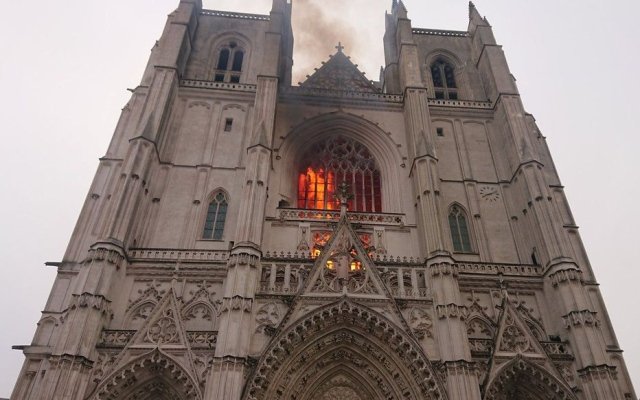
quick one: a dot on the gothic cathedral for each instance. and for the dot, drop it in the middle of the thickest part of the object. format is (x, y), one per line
(247, 239)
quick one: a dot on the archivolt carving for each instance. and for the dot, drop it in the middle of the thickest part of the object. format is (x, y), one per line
(350, 337)
(520, 379)
(153, 368)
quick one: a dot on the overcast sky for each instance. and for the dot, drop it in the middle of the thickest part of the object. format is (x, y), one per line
(65, 67)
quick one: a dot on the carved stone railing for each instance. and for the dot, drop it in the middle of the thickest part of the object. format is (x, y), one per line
(438, 32)
(174, 255)
(120, 338)
(238, 87)
(297, 214)
(485, 105)
(495, 269)
(216, 13)
(409, 293)
(346, 94)
(557, 350)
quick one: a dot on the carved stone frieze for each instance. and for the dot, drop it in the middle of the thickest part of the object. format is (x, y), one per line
(93, 301)
(452, 311)
(581, 318)
(109, 256)
(565, 275)
(236, 303)
(444, 269)
(597, 372)
(244, 259)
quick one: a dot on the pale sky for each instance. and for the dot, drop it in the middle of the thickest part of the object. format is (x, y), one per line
(65, 68)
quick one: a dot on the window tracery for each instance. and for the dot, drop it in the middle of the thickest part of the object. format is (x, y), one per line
(216, 217)
(229, 66)
(459, 230)
(444, 82)
(329, 164)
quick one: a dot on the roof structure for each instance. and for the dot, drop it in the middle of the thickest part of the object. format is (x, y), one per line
(339, 73)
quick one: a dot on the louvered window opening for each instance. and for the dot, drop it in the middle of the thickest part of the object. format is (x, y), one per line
(332, 162)
(444, 82)
(229, 67)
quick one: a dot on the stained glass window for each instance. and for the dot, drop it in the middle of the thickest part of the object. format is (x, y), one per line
(216, 217)
(459, 230)
(332, 162)
(444, 81)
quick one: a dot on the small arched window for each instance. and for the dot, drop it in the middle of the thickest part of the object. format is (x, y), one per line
(216, 217)
(229, 66)
(459, 230)
(444, 81)
(335, 161)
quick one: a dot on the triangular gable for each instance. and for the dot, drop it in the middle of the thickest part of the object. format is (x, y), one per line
(339, 73)
(162, 331)
(344, 268)
(513, 340)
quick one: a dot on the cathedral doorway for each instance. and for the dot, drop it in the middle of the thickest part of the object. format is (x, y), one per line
(344, 351)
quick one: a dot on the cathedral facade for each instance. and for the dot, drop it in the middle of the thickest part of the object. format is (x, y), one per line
(248, 239)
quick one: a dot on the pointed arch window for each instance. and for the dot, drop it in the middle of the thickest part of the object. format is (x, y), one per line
(229, 65)
(459, 230)
(444, 81)
(332, 162)
(216, 217)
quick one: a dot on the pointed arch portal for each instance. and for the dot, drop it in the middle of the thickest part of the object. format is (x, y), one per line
(344, 351)
(520, 379)
(154, 375)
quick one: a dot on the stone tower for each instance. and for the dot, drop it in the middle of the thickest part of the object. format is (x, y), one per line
(246, 239)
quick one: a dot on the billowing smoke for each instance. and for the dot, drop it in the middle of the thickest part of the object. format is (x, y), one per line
(319, 25)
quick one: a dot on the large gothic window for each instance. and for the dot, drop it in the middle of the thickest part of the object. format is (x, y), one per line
(329, 164)
(459, 230)
(444, 81)
(216, 217)
(229, 66)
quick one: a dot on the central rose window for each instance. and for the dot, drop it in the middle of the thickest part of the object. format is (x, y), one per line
(335, 161)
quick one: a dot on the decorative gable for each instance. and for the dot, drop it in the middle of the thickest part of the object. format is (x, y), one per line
(344, 268)
(339, 73)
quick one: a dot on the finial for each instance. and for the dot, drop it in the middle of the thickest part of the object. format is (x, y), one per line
(344, 195)
(340, 47)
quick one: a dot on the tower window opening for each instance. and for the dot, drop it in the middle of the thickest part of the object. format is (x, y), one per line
(216, 217)
(335, 161)
(228, 124)
(459, 230)
(229, 66)
(440, 132)
(444, 82)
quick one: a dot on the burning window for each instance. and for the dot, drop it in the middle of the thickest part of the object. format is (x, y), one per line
(332, 162)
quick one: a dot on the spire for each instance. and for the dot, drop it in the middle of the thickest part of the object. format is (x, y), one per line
(398, 9)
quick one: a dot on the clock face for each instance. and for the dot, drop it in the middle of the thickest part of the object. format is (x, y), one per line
(489, 193)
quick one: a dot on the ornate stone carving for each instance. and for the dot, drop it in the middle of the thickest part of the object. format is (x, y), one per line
(420, 323)
(236, 303)
(565, 275)
(268, 316)
(369, 335)
(513, 338)
(164, 329)
(581, 318)
(438, 269)
(452, 311)
(201, 304)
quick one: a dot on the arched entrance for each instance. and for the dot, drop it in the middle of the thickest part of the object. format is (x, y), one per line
(520, 379)
(152, 376)
(344, 351)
